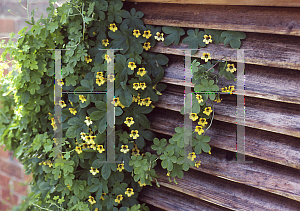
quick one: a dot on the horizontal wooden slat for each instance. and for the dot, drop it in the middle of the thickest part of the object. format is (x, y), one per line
(226, 193)
(267, 50)
(270, 20)
(278, 3)
(272, 147)
(167, 199)
(260, 82)
(261, 114)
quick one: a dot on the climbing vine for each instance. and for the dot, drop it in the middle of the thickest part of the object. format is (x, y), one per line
(84, 27)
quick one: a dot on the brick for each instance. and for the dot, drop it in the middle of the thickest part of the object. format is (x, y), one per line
(20, 188)
(4, 154)
(11, 168)
(10, 198)
(7, 25)
(4, 207)
(28, 178)
(4, 181)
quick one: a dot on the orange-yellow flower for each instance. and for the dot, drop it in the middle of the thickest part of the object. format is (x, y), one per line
(207, 111)
(146, 46)
(136, 33)
(113, 27)
(199, 130)
(105, 42)
(147, 34)
(134, 134)
(206, 56)
(230, 68)
(193, 116)
(191, 156)
(141, 72)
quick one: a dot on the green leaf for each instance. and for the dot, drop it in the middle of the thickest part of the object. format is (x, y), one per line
(174, 34)
(71, 80)
(96, 115)
(194, 39)
(159, 146)
(52, 26)
(215, 35)
(168, 159)
(106, 170)
(233, 38)
(119, 41)
(125, 98)
(134, 19)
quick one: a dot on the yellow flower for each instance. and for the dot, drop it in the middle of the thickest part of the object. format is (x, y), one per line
(199, 130)
(168, 174)
(202, 122)
(193, 116)
(107, 58)
(141, 72)
(100, 81)
(146, 46)
(113, 27)
(119, 199)
(230, 68)
(92, 200)
(209, 152)
(99, 74)
(136, 33)
(105, 42)
(191, 156)
(207, 111)
(140, 102)
(136, 86)
(124, 149)
(103, 194)
(116, 101)
(131, 65)
(96, 209)
(72, 111)
(120, 167)
(100, 148)
(144, 184)
(129, 192)
(147, 101)
(62, 104)
(218, 100)
(111, 78)
(147, 34)
(134, 134)
(88, 122)
(207, 39)
(199, 98)
(129, 121)
(143, 86)
(82, 98)
(94, 33)
(83, 135)
(231, 88)
(88, 59)
(205, 56)
(159, 36)
(136, 153)
(62, 82)
(78, 150)
(197, 163)
(94, 171)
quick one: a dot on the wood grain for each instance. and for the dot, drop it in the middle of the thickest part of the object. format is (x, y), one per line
(268, 146)
(261, 114)
(267, 50)
(271, 20)
(167, 199)
(226, 193)
(278, 3)
(260, 81)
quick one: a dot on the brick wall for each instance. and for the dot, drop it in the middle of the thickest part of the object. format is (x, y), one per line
(13, 181)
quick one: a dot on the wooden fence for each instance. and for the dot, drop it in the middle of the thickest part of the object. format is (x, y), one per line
(272, 98)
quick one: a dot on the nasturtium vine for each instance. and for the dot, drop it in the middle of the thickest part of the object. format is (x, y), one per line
(75, 178)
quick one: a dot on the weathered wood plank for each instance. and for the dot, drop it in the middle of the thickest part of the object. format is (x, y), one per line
(262, 114)
(269, 20)
(167, 199)
(260, 82)
(264, 145)
(274, 51)
(278, 3)
(226, 193)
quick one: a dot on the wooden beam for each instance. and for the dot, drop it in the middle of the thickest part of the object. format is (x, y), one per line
(232, 195)
(167, 199)
(261, 144)
(260, 81)
(268, 50)
(235, 18)
(271, 3)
